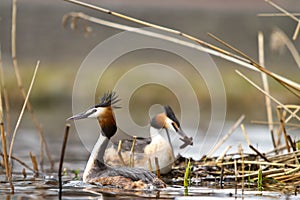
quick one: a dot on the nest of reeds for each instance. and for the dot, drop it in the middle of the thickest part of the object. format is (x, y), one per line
(275, 170)
(249, 171)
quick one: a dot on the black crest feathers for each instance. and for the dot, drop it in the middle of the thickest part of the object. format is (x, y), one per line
(108, 99)
(170, 114)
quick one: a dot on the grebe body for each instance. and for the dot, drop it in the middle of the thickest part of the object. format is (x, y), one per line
(96, 171)
(147, 149)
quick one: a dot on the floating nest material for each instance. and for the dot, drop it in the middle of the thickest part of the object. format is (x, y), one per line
(280, 173)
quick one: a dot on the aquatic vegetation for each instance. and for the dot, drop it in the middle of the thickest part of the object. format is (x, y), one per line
(186, 180)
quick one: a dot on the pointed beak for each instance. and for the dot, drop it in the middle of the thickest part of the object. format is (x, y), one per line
(82, 115)
(187, 141)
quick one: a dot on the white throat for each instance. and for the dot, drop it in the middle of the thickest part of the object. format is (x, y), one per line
(156, 136)
(97, 154)
(160, 148)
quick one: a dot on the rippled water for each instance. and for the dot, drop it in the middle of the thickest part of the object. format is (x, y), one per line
(46, 185)
(32, 188)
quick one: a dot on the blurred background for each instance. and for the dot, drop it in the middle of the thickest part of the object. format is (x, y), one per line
(41, 36)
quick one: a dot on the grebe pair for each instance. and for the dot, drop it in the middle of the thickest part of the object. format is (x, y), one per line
(96, 171)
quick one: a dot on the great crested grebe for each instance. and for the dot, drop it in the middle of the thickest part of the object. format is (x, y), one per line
(96, 171)
(146, 149)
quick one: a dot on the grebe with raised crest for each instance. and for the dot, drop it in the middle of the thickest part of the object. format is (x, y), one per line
(96, 171)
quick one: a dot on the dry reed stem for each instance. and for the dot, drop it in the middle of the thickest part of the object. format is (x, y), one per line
(278, 169)
(62, 155)
(4, 150)
(22, 111)
(20, 84)
(148, 24)
(226, 136)
(288, 84)
(265, 173)
(287, 160)
(260, 163)
(34, 164)
(1, 107)
(150, 165)
(278, 148)
(291, 125)
(291, 142)
(290, 117)
(296, 183)
(245, 134)
(279, 130)
(24, 173)
(20, 162)
(276, 14)
(225, 55)
(210, 50)
(221, 177)
(5, 97)
(1, 113)
(294, 147)
(296, 109)
(282, 127)
(265, 93)
(222, 155)
(120, 152)
(157, 167)
(258, 153)
(290, 178)
(253, 175)
(13, 33)
(285, 173)
(287, 14)
(279, 158)
(282, 10)
(296, 33)
(261, 60)
(131, 156)
(241, 152)
(236, 174)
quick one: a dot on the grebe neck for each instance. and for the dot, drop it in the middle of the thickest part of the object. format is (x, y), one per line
(156, 136)
(96, 161)
(154, 132)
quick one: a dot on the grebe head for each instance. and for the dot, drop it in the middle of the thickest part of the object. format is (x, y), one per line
(169, 121)
(103, 111)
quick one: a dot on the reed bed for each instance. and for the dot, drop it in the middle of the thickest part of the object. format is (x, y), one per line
(277, 169)
(244, 171)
